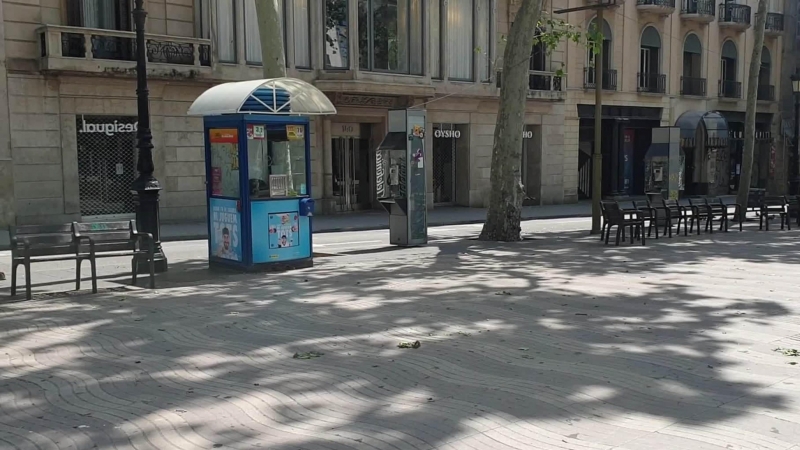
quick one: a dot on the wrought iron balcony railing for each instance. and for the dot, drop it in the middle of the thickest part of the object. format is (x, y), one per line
(539, 80)
(735, 14)
(699, 7)
(609, 79)
(654, 83)
(774, 24)
(80, 49)
(730, 89)
(693, 86)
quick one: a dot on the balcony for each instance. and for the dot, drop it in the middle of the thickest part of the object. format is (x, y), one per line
(774, 25)
(660, 7)
(766, 92)
(653, 83)
(76, 49)
(693, 86)
(701, 11)
(730, 89)
(734, 16)
(609, 79)
(541, 85)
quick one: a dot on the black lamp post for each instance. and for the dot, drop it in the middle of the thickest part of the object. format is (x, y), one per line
(145, 188)
(794, 173)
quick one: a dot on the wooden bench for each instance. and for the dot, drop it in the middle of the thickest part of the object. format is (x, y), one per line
(722, 206)
(617, 218)
(42, 243)
(112, 239)
(771, 207)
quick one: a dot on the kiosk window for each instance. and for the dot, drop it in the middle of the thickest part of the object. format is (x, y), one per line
(224, 162)
(275, 153)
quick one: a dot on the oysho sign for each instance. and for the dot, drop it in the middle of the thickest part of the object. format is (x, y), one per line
(447, 134)
(109, 127)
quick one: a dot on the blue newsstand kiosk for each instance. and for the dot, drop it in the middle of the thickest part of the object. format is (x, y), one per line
(258, 172)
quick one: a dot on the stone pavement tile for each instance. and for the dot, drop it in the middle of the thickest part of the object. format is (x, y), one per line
(681, 440)
(784, 404)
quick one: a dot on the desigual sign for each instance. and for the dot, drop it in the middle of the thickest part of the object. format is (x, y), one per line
(107, 128)
(447, 134)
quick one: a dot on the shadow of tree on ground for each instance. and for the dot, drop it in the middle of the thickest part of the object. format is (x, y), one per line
(557, 340)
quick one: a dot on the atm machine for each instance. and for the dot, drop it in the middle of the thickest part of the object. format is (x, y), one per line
(400, 177)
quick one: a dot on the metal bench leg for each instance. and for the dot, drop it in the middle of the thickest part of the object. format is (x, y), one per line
(620, 230)
(93, 263)
(78, 274)
(608, 234)
(28, 278)
(133, 276)
(14, 267)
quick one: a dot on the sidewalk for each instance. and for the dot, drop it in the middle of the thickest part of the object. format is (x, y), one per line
(556, 342)
(379, 220)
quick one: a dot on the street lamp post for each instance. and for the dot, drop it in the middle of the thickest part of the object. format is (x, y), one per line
(794, 173)
(145, 187)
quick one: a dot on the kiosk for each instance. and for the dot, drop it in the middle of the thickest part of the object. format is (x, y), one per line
(400, 177)
(258, 172)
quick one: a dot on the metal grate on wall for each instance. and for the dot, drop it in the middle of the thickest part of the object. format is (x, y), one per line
(106, 164)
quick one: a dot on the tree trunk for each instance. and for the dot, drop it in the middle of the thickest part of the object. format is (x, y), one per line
(505, 199)
(750, 115)
(270, 31)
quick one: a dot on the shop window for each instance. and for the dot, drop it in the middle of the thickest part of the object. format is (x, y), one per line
(276, 159)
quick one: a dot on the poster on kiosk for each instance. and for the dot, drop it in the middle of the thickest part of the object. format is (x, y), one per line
(258, 172)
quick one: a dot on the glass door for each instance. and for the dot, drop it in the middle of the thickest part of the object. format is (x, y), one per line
(350, 172)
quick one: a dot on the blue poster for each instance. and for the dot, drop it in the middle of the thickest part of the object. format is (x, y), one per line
(226, 230)
(283, 230)
(280, 233)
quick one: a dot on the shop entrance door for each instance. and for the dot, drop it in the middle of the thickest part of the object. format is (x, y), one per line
(444, 169)
(350, 174)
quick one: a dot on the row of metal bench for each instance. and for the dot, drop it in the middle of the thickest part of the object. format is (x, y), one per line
(79, 242)
(636, 215)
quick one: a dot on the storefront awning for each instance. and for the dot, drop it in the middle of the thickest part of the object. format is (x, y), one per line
(712, 122)
(276, 96)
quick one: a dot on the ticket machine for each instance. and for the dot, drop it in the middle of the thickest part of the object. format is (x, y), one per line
(258, 172)
(400, 177)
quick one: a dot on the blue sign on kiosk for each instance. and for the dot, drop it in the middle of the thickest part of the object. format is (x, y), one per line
(258, 172)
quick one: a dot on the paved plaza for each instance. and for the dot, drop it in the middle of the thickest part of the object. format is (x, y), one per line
(556, 342)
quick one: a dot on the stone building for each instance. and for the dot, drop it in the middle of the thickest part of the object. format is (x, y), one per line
(67, 138)
(664, 58)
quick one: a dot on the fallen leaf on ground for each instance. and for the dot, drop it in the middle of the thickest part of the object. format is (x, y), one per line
(788, 351)
(414, 344)
(307, 355)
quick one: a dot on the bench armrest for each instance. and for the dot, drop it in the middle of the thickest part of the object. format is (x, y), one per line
(139, 236)
(78, 238)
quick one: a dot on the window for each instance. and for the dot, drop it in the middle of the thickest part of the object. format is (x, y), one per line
(278, 154)
(104, 14)
(252, 38)
(483, 37)
(435, 40)
(461, 47)
(390, 35)
(539, 54)
(226, 31)
(202, 18)
(302, 31)
(337, 33)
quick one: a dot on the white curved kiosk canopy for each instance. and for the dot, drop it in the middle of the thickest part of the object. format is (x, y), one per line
(274, 96)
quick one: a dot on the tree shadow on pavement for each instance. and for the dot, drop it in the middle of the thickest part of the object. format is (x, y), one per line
(556, 341)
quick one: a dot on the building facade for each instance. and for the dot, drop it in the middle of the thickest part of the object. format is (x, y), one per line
(666, 58)
(67, 138)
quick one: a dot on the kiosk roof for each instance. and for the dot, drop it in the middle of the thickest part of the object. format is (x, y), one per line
(275, 96)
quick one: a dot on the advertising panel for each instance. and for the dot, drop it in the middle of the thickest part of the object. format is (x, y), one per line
(226, 229)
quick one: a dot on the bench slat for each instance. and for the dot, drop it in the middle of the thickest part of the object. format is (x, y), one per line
(40, 229)
(101, 227)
